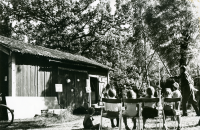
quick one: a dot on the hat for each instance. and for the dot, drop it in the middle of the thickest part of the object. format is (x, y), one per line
(176, 85)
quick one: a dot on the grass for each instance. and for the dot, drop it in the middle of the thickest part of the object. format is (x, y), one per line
(45, 121)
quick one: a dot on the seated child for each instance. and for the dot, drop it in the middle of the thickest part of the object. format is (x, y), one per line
(112, 109)
(131, 109)
(149, 109)
(87, 122)
(169, 109)
(176, 93)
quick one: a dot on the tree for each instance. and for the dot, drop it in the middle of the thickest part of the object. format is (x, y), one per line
(173, 26)
(130, 41)
(5, 25)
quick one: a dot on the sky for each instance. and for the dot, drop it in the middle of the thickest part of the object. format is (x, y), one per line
(112, 4)
(197, 4)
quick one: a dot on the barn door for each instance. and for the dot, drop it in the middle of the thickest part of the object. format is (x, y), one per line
(66, 97)
(74, 84)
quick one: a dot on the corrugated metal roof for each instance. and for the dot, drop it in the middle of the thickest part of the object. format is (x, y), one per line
(25, 48)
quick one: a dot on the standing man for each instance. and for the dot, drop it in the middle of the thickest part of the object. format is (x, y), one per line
(187, 91)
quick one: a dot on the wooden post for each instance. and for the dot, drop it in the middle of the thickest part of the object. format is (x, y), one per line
(12, 76)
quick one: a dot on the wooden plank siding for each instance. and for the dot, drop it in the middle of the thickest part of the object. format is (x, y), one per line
(31, 81)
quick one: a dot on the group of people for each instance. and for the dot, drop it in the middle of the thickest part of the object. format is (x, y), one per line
(149, 109)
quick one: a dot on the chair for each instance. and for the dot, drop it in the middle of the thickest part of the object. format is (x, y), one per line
(176, 106)
(159, 108)
(105, 115)
(137, 101)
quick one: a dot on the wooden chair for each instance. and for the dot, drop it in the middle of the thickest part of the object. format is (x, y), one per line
(159, 108)
(176, 106)
(136, 101)
(114, 101)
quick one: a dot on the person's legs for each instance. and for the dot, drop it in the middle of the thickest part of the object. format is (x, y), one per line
(144, 121)
(134, 123)
(184, 104)
(117, 122)
(164, 118)
(125, 123)
(112, 123)
(95, 127)
(125, 120)
(179, 120)
(199, 105)
(194, 104)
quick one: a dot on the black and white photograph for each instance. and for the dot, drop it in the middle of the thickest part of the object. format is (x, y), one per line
(99, 64)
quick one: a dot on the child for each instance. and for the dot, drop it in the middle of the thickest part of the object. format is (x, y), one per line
(149, 109)
(176, 93)
(169, 110)
(112, 109)
(87, 122)
(131, 109)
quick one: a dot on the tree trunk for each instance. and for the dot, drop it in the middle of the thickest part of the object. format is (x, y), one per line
(184, 48)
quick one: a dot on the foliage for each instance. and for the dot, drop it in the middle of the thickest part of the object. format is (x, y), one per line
(5, 28)
(131, 40)
(178, 30)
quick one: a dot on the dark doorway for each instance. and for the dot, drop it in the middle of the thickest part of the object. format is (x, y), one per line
(4, 74)
(94, 83)
(3, 83)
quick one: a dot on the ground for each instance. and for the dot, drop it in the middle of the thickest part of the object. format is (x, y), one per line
(46, 123)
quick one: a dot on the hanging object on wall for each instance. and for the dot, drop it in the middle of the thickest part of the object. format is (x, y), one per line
(88, 88)
(68, 80)
(5, 79)
(59, 87)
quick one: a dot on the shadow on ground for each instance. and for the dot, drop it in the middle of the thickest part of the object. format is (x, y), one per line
(27, 125)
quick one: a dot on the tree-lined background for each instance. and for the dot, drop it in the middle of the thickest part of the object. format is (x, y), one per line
(134, 40)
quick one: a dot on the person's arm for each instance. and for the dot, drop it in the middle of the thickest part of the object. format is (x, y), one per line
(175, 77)
(125, 105)
(187, 78)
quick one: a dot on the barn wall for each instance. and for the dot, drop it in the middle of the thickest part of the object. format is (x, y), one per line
(33, 81)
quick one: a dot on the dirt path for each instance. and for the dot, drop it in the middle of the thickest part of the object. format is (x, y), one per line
(188, 123)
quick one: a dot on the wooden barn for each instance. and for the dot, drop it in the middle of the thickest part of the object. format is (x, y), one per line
(33, 78)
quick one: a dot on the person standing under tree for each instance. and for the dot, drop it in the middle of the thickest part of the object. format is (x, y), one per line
(187, 91)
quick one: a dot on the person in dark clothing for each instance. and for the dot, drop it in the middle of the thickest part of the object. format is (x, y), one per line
(187, 91)
(88, 120)
(136, 90)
